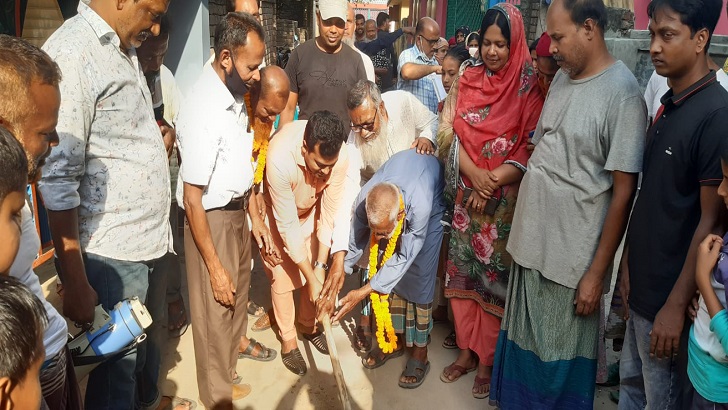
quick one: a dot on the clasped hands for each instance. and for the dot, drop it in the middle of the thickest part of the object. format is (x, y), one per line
(485, 183)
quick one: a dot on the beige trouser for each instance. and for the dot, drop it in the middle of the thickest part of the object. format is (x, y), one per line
(286, 277)
(216, 330)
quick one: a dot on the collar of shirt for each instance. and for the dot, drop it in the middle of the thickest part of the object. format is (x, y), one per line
(420, 55)
(219, 93)
(678, 100)
(103, 30)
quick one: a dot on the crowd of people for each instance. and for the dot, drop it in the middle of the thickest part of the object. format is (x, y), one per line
(510, 172)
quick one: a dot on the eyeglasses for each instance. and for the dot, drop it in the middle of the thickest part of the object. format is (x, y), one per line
(430, 42)
(357, 128)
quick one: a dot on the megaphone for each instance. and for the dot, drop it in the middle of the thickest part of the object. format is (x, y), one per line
(111, 334)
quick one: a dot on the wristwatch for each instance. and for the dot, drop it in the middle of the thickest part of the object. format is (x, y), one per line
(317, 264)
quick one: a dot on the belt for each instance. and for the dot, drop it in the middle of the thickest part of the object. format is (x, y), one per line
(236, 204)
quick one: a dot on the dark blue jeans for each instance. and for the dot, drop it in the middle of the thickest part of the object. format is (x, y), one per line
(128, 381)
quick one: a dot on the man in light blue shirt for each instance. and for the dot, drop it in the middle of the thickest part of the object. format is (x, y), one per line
(417, 65)
(416, 182)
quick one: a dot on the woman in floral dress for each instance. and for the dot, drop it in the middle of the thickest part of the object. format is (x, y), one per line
(484, 128)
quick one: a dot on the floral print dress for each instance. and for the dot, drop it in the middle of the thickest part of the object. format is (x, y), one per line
(478, 264)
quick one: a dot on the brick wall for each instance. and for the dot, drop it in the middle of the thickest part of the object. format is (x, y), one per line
(531, 11)
(268, 13)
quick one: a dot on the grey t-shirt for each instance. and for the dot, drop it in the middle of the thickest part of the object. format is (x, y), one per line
(587, 129)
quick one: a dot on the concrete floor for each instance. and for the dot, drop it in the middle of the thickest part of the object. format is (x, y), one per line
(274, 387)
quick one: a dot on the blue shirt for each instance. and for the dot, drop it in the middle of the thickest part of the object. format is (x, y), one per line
(411, 271)
(424, 88)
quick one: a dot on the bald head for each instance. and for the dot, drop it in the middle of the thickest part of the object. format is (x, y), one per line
(382, 205)
(244, 6)
(274, 90)
(428, 27)
(370, 29)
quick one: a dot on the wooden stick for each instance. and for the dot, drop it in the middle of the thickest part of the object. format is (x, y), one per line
(338, 374)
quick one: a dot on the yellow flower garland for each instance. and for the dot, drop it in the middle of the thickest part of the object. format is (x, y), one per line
(261, 133)
(380, 305)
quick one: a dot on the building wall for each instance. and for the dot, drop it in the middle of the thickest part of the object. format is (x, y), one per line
(268, 10)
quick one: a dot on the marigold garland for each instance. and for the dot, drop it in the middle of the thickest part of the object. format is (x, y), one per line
(380, 304)
(261, 133)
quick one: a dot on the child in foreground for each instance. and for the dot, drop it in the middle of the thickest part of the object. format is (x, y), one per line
(13, 182)
(708, 345)
(22, 323)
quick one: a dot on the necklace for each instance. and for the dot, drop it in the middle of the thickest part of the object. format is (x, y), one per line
(261, 134)
(380, 304)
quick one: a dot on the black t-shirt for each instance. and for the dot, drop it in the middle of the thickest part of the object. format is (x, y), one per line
(321, 80)
(682, 155)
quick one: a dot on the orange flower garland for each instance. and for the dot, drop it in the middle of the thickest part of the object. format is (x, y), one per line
(261, 133)
(380, 305)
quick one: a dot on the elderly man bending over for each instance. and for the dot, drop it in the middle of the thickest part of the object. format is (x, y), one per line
(399, 210)
(382, 125)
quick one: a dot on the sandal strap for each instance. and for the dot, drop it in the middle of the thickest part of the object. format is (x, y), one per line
(318, 340)
(457, 368)
(412, 366)
(480, 381)
(293, 360)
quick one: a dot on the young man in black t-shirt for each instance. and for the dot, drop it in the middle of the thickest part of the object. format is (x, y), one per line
(677, 207)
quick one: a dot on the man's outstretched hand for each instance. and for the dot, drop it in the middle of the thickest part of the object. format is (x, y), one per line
(326, 301)
(351, 300)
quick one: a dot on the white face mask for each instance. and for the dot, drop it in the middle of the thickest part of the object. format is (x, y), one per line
(473, 51)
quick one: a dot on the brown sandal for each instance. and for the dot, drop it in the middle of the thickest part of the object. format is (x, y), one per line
(264, 322)
(480, 382)
(455, 368)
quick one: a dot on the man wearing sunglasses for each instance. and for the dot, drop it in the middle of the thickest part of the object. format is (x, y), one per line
(418, 67)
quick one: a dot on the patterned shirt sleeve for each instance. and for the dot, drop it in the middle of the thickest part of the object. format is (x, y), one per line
(67, 162)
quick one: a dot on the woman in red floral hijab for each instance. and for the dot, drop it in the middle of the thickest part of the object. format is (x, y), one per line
(484, 128)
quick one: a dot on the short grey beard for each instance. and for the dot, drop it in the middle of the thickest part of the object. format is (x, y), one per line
(348, 41)
(375, 152)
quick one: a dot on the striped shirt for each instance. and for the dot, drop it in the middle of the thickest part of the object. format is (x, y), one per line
(424, 88)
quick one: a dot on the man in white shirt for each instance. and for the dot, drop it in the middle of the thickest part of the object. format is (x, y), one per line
(217, 175)
(166, 100)
(29, 109)
(106, 186)
(349, 30)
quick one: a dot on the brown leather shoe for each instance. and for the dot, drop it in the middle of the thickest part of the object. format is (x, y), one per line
(240, 391)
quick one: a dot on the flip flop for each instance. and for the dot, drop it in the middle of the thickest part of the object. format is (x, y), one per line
(450, 341)
(318, 340)
(294, 362)
(480, 382)
(264, 322)
(379, 361)
(416, 369)
(265, 354)
(179, 401)
(455, 367)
